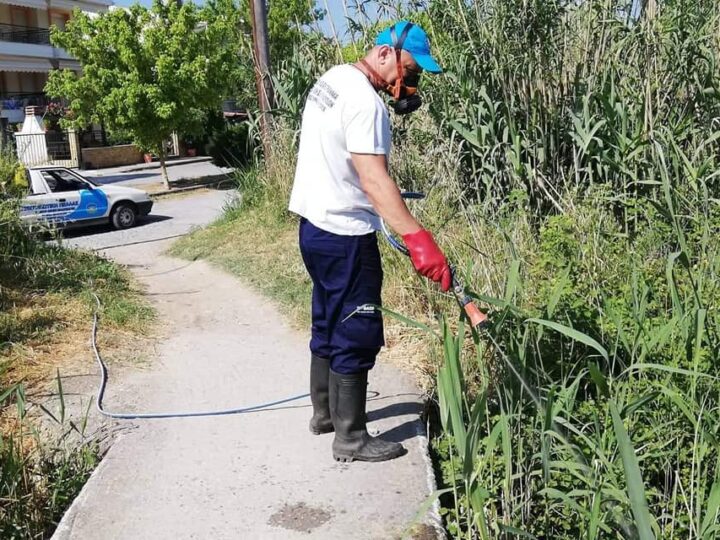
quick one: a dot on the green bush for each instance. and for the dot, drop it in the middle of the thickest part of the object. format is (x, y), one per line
(546, 455)
(13, 179)
(232, 145)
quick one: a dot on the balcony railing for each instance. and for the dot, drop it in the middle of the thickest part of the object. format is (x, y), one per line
(24, 34)
(20, 101)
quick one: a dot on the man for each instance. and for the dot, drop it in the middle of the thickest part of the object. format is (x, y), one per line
(341, 188)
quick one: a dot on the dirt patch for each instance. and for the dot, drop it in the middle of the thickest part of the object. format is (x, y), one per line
(190, 186)
(43, 348)
(299, 517)
(158, 189)
(424, 531)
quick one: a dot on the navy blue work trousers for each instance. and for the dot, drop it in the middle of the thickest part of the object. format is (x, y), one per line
(347, 280)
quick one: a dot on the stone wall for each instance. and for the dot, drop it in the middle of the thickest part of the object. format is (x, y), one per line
(111, 156)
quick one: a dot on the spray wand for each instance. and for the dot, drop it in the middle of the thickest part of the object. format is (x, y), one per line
(477, 318)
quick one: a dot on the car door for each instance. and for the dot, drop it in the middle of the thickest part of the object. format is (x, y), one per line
(62, 199)
(93, 205)
(40, 204)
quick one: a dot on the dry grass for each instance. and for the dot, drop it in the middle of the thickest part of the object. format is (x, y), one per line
(59, 339)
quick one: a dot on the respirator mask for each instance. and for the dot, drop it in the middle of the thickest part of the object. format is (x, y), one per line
(405, 89)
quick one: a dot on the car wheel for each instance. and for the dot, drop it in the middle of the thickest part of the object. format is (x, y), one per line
(124, 216)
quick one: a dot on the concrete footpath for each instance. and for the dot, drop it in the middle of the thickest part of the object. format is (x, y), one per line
(258, 475)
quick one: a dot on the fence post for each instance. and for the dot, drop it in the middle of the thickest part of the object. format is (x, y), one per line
(176, 143)
(75, 150)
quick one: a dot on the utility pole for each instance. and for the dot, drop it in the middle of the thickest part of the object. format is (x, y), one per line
(266, 97)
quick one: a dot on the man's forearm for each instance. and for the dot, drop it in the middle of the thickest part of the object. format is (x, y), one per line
(383, 193)
(385, 198)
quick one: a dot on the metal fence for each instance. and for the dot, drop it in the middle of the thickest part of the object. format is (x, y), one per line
(51, 148)
(58, 146)
(24, 34)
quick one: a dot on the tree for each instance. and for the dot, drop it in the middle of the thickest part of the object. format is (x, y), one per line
(149, 72)
(286, 19)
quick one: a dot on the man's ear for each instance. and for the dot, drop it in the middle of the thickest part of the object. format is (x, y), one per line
(384, 53)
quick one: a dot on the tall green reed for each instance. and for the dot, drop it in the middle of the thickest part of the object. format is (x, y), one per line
(550, 95)
(570, 152)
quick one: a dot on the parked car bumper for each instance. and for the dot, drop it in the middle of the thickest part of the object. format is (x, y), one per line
(144, 207)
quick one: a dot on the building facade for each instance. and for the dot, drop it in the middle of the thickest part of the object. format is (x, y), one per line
(26, 55)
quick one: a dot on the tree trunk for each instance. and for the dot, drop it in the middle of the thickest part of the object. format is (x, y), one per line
(166, 179)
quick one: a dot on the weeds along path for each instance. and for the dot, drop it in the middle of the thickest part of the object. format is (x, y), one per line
(255, 475)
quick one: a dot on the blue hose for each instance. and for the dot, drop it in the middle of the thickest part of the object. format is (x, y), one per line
(147, 416)
(194, 414)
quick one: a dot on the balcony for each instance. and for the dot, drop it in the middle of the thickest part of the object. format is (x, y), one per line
(12, 106)
(14, 101)
(24, 34)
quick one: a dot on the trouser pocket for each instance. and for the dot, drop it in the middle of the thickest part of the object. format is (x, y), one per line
(360, 327)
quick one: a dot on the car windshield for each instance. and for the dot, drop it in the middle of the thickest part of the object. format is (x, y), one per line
(91, 182)
(62, 181)
(84, 179)
(59, 180)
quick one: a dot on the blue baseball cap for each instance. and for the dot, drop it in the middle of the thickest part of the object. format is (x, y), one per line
(416, 43)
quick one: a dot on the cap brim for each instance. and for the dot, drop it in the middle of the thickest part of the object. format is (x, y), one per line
(427, 63)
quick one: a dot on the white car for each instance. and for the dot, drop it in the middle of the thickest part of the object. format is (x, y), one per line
(61, 197)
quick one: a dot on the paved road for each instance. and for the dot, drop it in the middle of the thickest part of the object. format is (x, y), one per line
(149, 176)
(260, 475)
(170, 217)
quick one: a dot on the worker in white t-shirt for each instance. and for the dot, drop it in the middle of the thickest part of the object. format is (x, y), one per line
(341, 187)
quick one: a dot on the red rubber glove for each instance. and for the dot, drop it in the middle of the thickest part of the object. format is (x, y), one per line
(427, 258)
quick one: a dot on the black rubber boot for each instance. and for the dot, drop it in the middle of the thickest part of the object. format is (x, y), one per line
(348, 397)
(319, 374)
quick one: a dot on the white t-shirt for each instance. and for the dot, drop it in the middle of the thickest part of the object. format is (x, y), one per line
(343, 114)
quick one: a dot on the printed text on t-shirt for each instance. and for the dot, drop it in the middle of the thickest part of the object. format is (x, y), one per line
(323, 95)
